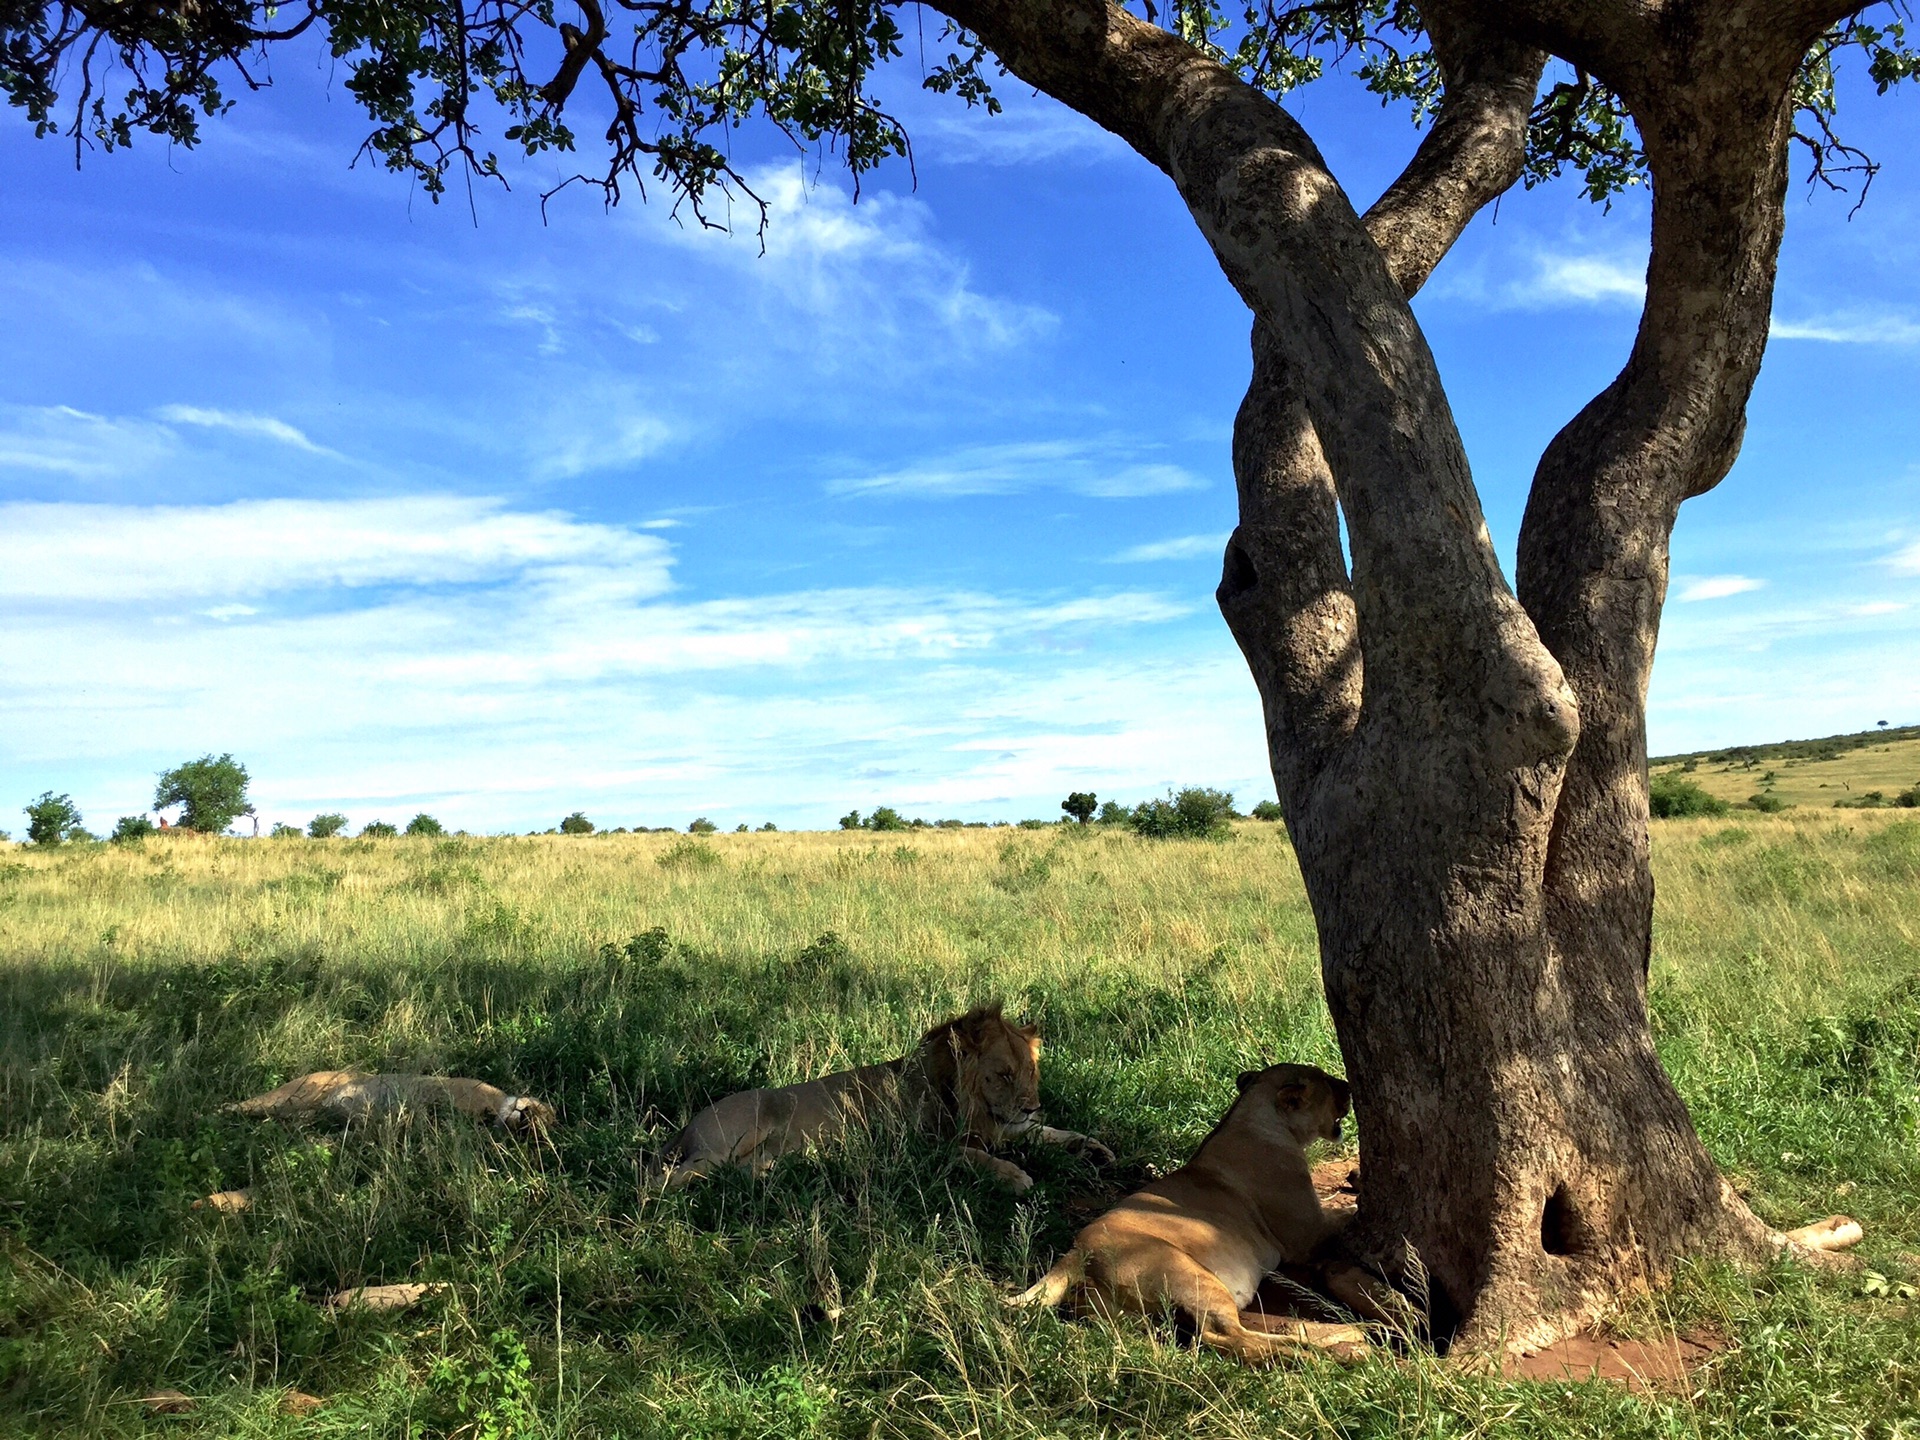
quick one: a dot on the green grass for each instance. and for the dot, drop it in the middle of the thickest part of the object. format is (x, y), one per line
(856, 1293)
(1818, 774)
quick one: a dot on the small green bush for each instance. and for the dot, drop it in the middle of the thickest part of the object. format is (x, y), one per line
(850, 820)
(425, 824)
(769, 826)
(129, 828)
(1113, 813)
(1195, 813)
(1268, 810)
(1670, 798)
(576, 824)
(210, 791)
(701, 825)
(283, 831)
(1081, 804)
(325, 827)
(53, 820)
(378, 830)
(1035, 824)
(1767, 803)
(887, 818)
(688, 854)
(1910, 798)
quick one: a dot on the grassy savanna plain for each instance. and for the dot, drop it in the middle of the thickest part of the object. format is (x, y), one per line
(1810, 773)
(854, 1293)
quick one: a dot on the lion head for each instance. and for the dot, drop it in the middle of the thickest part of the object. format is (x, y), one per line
(988, 1070)
(522, 1114)
(1309, 1101)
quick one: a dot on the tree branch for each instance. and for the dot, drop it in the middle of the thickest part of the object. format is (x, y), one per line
(1474, 151)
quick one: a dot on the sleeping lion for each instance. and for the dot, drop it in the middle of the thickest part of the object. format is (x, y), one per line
(1202, 1239)
(353, 1095)
(977, 1074)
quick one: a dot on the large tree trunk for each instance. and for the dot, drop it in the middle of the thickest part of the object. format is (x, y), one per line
(1464, 779)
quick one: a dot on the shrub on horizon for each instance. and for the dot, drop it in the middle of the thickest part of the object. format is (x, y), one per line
(769, 826)
(1081, 804)
(325, 827)
(210, 791)
(1767, 803)
(1268, 810)
(425, 824)
(1113, 813)
(1195, 813)
(129, 828)
(378, 830)
(1671, 798)
(53, 820)
(283, 831)
(576, 824)
(700, 825)
(887, 818)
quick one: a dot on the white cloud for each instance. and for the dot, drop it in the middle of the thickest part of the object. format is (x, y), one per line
(1537, 278)
(1022, 134)
(241, 423)
(1718, 587)
(866, 276)
(488, 664)
(159, 554)
(1107, 468)
(1906, 560)
(1851, 328)
(60, 440)
(1186, 547)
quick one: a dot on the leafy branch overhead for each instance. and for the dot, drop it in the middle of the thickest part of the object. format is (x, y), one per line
(669, 79)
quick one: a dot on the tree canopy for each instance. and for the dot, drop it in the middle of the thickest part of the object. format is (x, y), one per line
(668, 79)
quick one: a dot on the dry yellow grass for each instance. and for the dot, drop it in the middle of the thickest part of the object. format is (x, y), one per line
(1817, 784)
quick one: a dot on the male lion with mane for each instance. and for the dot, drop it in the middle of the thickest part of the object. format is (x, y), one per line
(977, 1074)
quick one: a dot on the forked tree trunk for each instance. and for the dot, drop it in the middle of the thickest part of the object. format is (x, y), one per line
(1465, 779)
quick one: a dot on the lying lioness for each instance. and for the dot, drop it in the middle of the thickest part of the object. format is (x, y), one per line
(348, 1095)
(1201, 1240)
(977, 1074)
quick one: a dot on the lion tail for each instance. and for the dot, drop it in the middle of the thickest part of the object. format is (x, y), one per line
(1068, 1271)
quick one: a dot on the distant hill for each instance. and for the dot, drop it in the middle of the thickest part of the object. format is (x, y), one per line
(1835, 769)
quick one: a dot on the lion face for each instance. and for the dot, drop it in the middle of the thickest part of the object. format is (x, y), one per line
(1309, 1102)
(523, 1114)
(996, 1073)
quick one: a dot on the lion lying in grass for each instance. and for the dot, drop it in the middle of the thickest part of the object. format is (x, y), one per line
(352, 1095)
(977, 1074)
(1202, 1239)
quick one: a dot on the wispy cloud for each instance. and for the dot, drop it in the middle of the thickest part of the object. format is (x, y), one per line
(60, 440)
(1022, 134)
(1717, 587)
(1541, 278)
(242, 423)
(159, 554)
(436, 647)
(1906, 560)
(1186, 547)
(1850, 328)
(1105, 468)
(867, 276)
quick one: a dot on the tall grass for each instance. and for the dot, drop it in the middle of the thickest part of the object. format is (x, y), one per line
(629, 978)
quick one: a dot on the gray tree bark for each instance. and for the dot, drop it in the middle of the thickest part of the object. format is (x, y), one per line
(1463, 771)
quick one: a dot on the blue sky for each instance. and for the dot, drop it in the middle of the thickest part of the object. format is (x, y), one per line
(446, 508)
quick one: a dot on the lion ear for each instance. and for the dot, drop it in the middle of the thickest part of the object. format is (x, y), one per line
(1246, 1078)
(1290, 1097)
